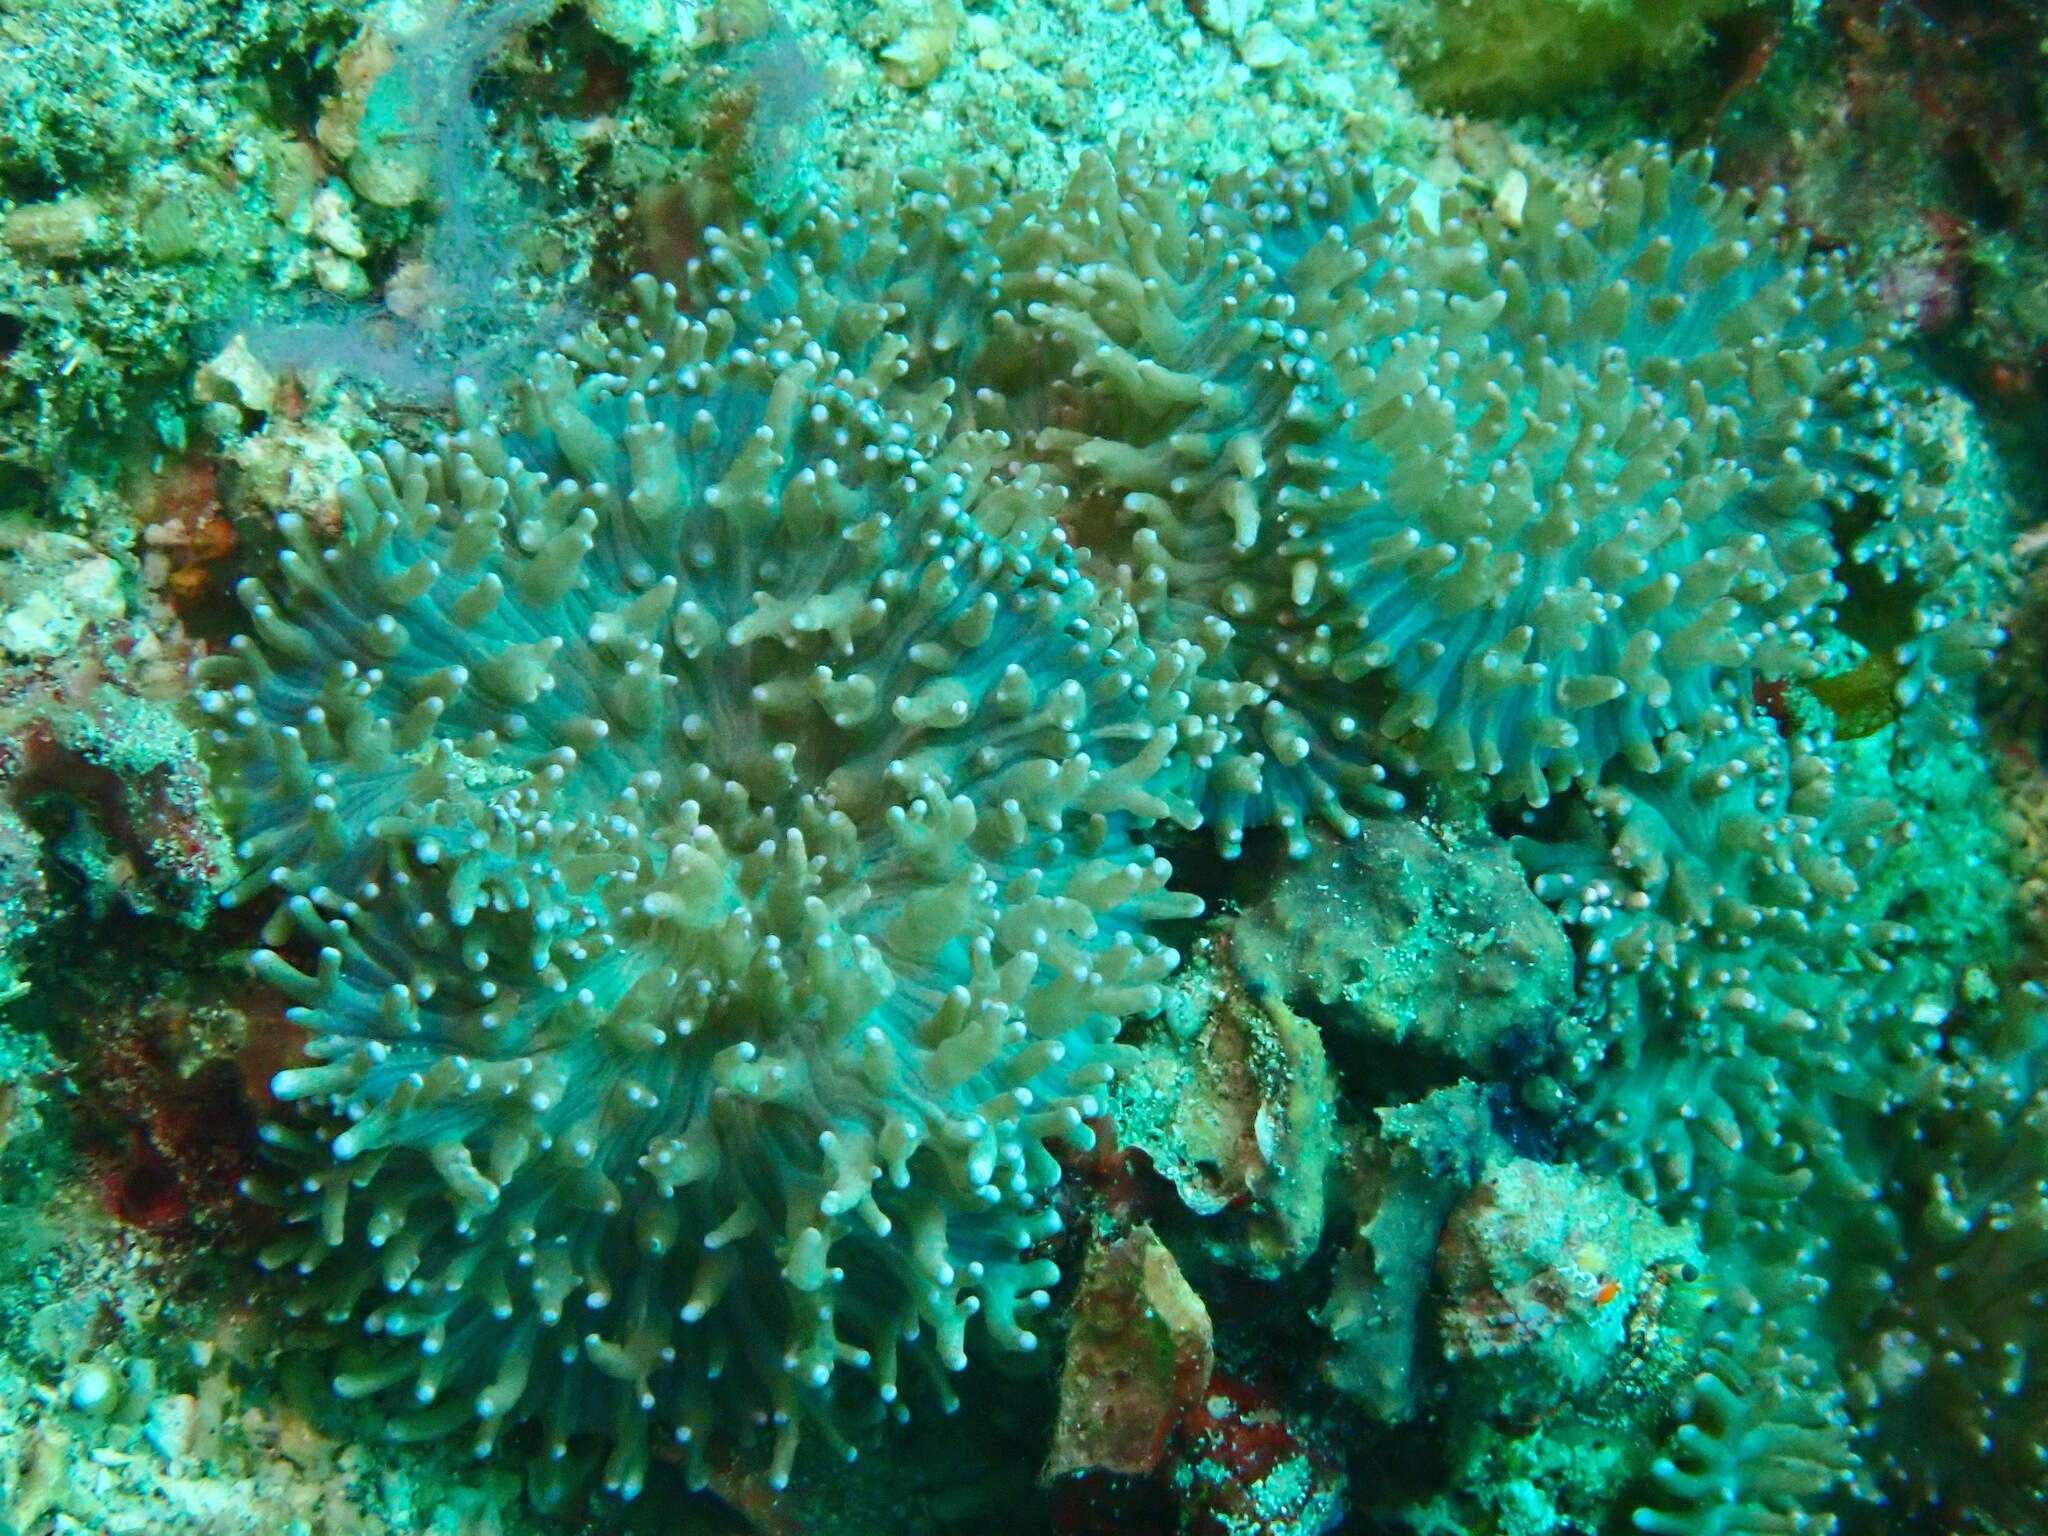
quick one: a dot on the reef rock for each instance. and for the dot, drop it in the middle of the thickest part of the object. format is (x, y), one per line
(1138, 1359)
(1231, 1101)
(1415, 936)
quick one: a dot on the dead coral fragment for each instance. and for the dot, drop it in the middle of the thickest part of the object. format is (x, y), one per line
(1232, 1102)
(1138, 1359)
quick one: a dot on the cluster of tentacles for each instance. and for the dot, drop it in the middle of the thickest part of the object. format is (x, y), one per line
(708, 811)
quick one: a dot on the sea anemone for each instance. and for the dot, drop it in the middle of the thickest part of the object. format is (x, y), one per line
(1505, 494)
(704, 818)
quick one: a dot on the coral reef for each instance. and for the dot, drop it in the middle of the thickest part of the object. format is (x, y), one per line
(726, 817)
(1789, 972)
(107, 789)
(708, 806)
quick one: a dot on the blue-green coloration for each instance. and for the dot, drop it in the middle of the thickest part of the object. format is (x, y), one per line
(708, 809)
(1493, 499)
(706, 822)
